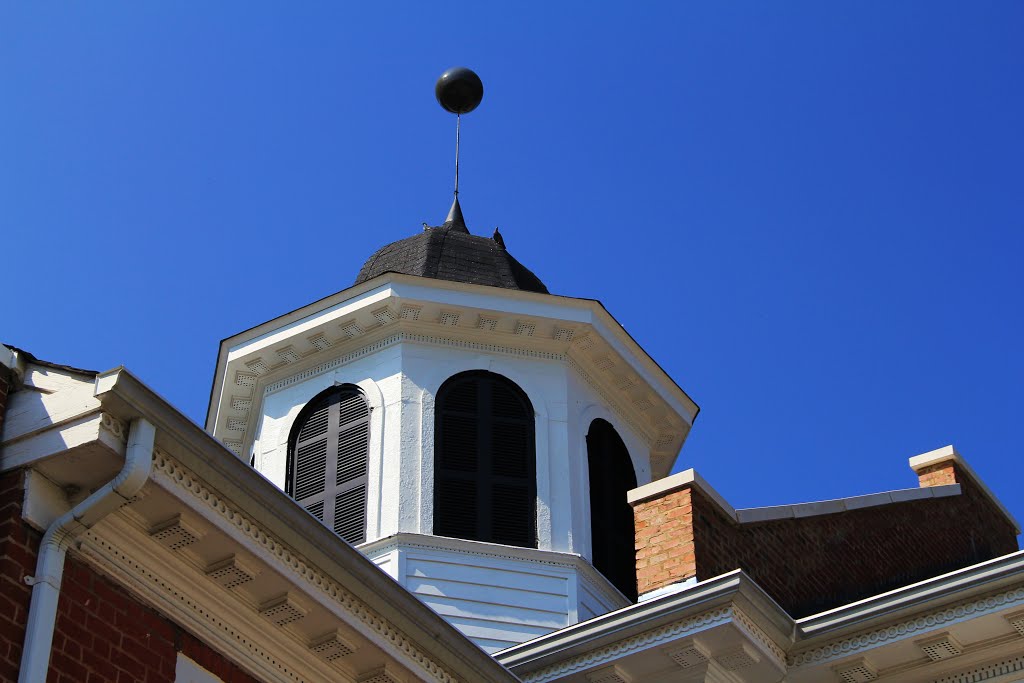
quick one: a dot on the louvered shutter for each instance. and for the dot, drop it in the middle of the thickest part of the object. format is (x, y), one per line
(328, 472)
(612, 530)
(485, 486)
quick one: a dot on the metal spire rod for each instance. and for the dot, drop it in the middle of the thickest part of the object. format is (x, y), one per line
(458, 133)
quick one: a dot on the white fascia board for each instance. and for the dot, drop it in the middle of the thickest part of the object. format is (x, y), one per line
(924, 595)
(338, 311)
(950, 454)
(495, 299)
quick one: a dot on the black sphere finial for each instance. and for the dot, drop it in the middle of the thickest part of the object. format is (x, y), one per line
(459, 90)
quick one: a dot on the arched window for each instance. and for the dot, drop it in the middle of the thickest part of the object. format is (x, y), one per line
(327, 454)
(611, 516)
(485, 486)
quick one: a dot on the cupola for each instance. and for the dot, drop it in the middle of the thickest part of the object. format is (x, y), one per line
(469, 432)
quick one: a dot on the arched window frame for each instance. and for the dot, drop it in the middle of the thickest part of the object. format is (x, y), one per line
(337, 493)
(612, 531)
(497, 478)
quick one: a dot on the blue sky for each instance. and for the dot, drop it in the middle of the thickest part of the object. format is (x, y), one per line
(810, 214)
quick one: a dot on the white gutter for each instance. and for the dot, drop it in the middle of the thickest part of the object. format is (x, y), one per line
(42, 613)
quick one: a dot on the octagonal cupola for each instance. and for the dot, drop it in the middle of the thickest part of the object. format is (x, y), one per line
(464, 428)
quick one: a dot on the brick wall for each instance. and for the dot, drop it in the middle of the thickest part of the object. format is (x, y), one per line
(103, 634)
(816, 563)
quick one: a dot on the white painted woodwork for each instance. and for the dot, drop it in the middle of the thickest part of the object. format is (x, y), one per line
(498, 596)
(418, 336)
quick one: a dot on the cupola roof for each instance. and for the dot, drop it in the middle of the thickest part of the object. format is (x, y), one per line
(450, 252)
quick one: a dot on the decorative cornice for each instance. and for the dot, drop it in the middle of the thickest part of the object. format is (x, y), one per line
(986, 672)
(117, 562)
(870, 639)
(114, 426)
(177, 475)
(549, 338)
(333, 363)
(755, 632)
(411, 337)
(652, 439)
(649, 439)
(642, 641)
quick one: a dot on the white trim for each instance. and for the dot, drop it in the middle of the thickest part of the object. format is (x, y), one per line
(8, 358)
(662, 487)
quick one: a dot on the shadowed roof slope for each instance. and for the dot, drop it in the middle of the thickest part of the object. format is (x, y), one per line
(449, 252)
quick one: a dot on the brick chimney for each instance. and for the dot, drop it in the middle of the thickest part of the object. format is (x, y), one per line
(664, 512)
(941, 471)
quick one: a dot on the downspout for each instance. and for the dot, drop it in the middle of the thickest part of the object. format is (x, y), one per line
(42, 613)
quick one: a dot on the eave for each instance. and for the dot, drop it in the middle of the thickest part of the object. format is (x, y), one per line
(264, 511)
(393, 307)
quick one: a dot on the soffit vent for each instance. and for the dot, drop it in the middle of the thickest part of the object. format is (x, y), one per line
(282, 610)
(940, 648)
(857, 671)
(385, 316)
(740, 658)
(610, 674)
(351, 328)
(688, 655)
(381, 675)
(449, 318)
(410, 313)
(1017, 621)
(331, 647)
(319, 342)
(259, 366)
(525, 328)
(174, 534)
(289, 355)
(230, 572)
(487, 323)
(245, 379)
(563, 335)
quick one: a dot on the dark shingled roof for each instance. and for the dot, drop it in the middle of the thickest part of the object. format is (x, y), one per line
(449, 252)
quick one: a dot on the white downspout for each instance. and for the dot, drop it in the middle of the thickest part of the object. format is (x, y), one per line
(42, 613)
